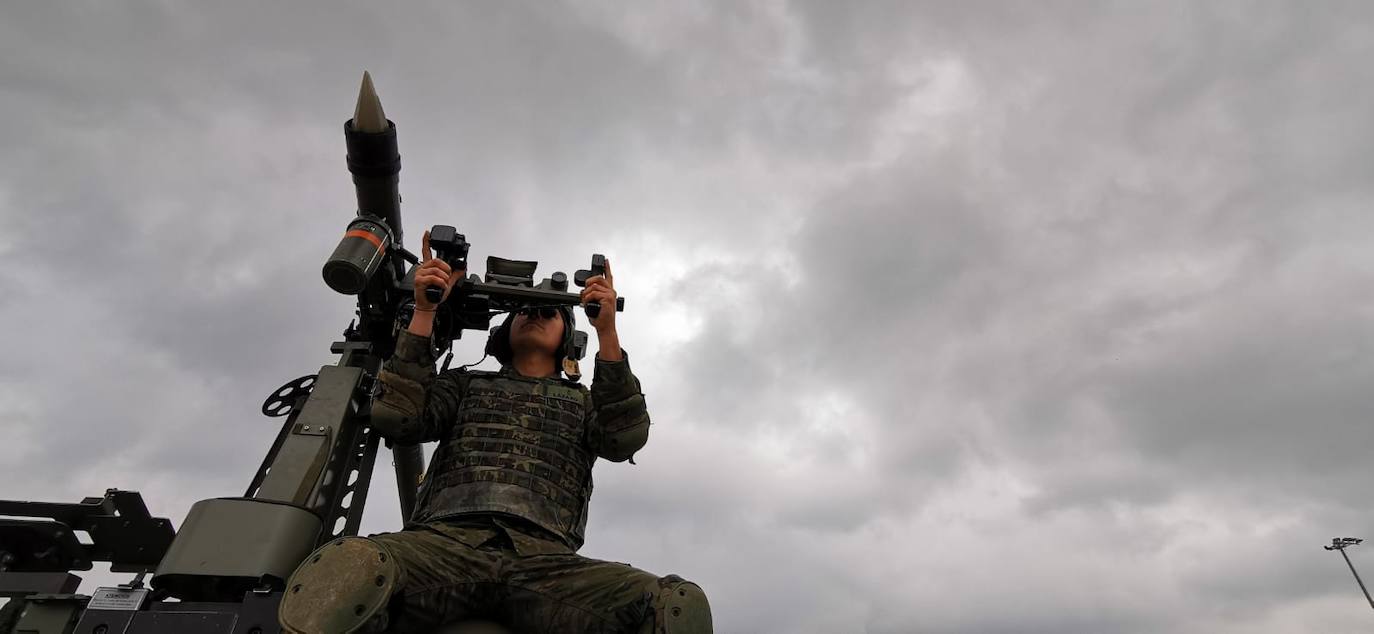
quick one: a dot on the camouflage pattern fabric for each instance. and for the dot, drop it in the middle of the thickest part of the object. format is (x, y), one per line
(502, 570)
(518, 449)
(510, 444)
(502, 509)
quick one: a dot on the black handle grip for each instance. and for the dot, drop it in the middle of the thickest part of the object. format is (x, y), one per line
(594, 308)
(434, 294)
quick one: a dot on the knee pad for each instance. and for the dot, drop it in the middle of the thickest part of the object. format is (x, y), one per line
(344, 586)
(681, 607)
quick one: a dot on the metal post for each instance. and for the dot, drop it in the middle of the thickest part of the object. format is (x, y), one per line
(409, 461)
(1340, 543)
(1357, 577)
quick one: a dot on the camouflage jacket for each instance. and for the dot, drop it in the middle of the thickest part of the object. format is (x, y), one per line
(508, 444)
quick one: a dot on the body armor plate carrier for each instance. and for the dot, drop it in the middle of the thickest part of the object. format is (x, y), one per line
(518, 447)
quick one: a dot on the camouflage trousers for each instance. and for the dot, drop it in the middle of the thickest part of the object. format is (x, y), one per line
(483, 569)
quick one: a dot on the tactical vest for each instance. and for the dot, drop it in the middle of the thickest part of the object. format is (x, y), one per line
(518, 447)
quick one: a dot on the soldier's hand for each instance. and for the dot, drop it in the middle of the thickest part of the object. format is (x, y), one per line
(601, 289)
(433, 272)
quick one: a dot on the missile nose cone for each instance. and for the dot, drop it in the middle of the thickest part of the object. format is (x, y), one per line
(368, 115)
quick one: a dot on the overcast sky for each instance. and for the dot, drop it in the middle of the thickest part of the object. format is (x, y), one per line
(951, 317)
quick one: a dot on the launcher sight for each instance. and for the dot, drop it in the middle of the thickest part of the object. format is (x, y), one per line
(506, 286)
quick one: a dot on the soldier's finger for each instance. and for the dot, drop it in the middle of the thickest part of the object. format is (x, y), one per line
(609, 277)
(424, 248)
(600, 296)
(599, 285)
(433, 266)
(431, 279)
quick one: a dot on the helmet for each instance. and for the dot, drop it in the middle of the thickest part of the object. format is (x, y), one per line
(498, 344)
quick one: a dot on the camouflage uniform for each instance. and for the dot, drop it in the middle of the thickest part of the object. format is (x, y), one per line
(502, 510)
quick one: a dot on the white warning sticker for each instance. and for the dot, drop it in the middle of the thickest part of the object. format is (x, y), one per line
(117, 599)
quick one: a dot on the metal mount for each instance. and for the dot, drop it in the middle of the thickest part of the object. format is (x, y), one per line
(289, 396)
(121, 532)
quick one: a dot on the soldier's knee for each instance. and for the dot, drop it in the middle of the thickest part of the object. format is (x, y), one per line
(344, 586)
(681, 607)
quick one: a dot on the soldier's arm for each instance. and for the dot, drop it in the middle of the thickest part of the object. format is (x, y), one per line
(414, 405)
(619, 420)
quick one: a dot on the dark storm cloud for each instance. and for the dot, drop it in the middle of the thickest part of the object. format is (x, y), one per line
(953, 317)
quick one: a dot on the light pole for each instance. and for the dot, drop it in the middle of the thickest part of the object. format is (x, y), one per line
(1340, 543)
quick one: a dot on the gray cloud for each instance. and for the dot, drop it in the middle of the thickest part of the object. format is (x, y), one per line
(964, 318)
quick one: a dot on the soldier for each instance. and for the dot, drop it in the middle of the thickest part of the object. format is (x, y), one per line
(502, 511)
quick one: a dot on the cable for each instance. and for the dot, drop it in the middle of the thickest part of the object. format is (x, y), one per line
(463, 368)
